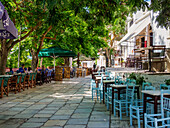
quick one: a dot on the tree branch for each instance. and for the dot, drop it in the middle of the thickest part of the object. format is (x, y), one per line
(54, 38)
(22, 38)
(42, 38)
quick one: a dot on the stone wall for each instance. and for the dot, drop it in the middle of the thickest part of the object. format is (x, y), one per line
(156, 80)
(168, 60)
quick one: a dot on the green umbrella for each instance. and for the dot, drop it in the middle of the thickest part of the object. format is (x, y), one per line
(55, 52)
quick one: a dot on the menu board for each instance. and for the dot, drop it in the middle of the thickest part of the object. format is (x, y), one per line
(67, 72)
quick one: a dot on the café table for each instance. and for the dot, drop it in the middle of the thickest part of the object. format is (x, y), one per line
(3, 76)
(154, 96)
(105, 86)
(96, 73)
(119, 88)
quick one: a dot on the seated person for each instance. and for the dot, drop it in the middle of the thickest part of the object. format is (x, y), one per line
(22, 69)
(30, 70)
(12, 72)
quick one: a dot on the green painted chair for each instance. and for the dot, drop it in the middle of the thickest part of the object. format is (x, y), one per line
(34, 79)
(14, 83)
(6, 85)
(31, 79)
(23, 78)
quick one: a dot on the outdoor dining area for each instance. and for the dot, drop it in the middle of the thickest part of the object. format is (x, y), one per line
(17, 82)
(124, 97)
(20, 81)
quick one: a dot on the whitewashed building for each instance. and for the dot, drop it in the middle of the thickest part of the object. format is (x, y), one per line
(145, 42)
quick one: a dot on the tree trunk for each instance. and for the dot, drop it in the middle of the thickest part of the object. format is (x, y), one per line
(109, 57)
(3, 57)
(34, 60)
(41, 62)
(66, 60)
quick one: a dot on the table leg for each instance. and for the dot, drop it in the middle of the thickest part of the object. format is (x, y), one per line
(103, 91)
(155, 104)
(118, 98)
(138, 95)
(112, 98)
(144, 109)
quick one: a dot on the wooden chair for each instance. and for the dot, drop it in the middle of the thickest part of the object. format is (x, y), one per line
(39, 79)
(45, 77)
(34, 79)
(2, 88)
(31, 80)
(49, 76)
(27, 82)
(15, 82)
(6, 85)
(23, 78)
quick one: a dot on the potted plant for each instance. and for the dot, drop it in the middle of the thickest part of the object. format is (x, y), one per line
(167, 82)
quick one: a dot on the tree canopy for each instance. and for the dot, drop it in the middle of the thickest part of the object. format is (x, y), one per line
(77, 25)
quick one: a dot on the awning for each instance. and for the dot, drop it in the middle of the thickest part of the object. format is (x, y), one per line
(7, 28)
(137, 27)
(83, 58)
(142, 25)
(126, 37)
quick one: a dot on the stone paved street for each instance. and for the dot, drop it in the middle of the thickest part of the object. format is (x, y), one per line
(65, 104)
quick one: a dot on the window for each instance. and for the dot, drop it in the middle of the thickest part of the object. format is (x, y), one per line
(151, 39)
(143, 42)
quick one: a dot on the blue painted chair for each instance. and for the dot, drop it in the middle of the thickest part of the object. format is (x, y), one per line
(94, 89)
(127, 81)
(145, 84)
(164, 87)
(123, 105)
(117, 81)
(100, 86)
(152, 120)
(108, 99)
(133, 81)
(136, 110)
(149, 88)
(2, 88)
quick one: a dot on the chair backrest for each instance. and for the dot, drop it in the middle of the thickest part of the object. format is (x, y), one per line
(31, 75)
(35, 74)
(1, 82)
(23, 77)
(133, 81)
(116, 81)
(165, 102)
(93, 83)
(145, 84)
(149, 88)
(130, 88)
(19, 79)
(112, 78)
(164, 87)
(108, 78)
(6, 81)
(127, 81)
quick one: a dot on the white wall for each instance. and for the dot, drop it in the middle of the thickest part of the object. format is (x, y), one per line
(101, 61)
